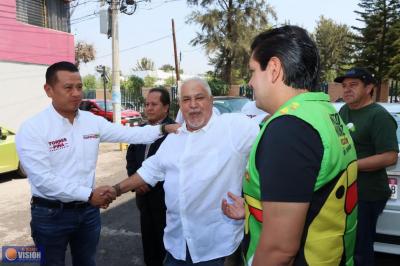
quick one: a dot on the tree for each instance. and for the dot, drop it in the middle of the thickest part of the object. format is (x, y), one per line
(84, 53)
(394, 71)
(171, 81)
(334, 42)
(375, 41)
(167, 68)
(227, 28)
(149, 81)
(144, 64)
(133, 84)
(89, 82)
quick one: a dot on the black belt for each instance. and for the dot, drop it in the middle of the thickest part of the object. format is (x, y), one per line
(55, 204)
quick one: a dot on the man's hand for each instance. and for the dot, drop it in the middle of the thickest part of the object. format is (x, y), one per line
(103, 196)
(172, 128)
(234, 210)
(142, 189)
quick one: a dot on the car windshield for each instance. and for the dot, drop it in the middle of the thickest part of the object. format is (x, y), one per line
(232, 105)
(101, 105)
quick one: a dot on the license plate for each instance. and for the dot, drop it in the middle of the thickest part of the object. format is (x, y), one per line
(393, 188)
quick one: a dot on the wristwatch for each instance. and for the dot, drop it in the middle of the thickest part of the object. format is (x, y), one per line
(117, 189)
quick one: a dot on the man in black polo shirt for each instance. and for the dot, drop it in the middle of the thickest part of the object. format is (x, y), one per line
(150, 201)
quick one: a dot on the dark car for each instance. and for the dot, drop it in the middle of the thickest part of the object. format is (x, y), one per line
(95, 106)
(229, 104)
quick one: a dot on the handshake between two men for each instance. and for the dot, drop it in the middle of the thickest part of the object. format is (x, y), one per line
(102, 196)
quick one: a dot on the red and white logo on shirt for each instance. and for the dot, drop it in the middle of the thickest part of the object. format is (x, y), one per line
(58, 144)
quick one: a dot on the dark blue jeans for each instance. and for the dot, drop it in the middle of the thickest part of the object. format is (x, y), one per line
(54, 228)
(171, 261)
(368, 213)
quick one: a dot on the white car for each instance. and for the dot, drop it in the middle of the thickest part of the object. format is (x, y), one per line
(388, 226)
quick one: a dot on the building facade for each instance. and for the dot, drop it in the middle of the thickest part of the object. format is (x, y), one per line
(35, 34)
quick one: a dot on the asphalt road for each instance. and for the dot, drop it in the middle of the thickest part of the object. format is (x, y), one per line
(120, 242)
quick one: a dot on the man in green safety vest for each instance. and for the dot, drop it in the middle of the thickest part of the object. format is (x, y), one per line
(300, 187)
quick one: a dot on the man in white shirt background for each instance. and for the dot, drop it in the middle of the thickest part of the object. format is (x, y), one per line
(199, 165)
(58, 149)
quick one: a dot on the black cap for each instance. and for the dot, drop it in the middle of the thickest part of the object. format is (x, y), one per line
(357, 73)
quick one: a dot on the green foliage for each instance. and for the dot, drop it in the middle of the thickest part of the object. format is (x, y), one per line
(394, 70)
(171, 81)
(89, 82)
(334, 42)
(218, 86)
(144, 64)
(227, 29)
(149, 81)
(167, 68)
(376, 41)
(133, 84)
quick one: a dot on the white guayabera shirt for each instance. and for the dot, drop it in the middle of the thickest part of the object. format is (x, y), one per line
(60, 158)
(199, 168)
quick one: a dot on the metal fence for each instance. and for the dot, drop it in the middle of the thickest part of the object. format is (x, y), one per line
(394, 90)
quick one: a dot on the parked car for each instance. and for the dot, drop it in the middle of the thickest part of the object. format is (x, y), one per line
(229, 104)
(97, 107)
(9, 160)
(388, 226)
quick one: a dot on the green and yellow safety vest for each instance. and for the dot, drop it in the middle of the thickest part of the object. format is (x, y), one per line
(329, 237)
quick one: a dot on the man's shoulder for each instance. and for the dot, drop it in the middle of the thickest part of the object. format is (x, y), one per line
(37, 120)
(89, 115)
(169, 120)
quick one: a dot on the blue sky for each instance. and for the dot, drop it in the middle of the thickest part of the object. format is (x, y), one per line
(147, 33)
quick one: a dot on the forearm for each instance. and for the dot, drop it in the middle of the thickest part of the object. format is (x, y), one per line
(110, 132)
(269, 256)
(376, 162)
(132, 182)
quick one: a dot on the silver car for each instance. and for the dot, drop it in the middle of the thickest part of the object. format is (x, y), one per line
(388, 226)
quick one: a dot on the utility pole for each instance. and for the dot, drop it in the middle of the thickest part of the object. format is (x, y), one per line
(116, 92)
(175, 53)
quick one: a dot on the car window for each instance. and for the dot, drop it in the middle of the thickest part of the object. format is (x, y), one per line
(85, 106)
(230, 105)
(222, 108)
(101, 105)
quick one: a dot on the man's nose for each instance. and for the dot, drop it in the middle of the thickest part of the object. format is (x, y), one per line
(193, 102)
(76, 92)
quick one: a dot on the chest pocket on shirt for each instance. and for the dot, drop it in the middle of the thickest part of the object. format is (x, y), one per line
(90, 147)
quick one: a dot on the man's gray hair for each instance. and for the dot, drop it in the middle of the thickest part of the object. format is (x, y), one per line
(199, 80)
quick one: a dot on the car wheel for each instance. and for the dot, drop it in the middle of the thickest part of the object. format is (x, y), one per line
(21, 171)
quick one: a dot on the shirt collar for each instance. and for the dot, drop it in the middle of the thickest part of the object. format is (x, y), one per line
(57, 115)
(205, 128)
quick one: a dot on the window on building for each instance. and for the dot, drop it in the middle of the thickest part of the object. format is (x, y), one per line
(53, 14)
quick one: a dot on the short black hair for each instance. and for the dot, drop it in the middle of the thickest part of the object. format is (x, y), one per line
(164, 97)
(51, 72)
(297, 52)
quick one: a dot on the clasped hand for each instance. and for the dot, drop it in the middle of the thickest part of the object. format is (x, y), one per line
(103, 196)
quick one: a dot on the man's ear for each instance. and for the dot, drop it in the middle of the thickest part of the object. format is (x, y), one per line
(275, 69)
(370, 88)
(48, 89)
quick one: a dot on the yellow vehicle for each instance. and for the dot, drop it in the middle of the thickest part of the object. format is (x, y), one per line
(8, 153)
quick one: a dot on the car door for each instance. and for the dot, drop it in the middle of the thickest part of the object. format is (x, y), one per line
(8, 152)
